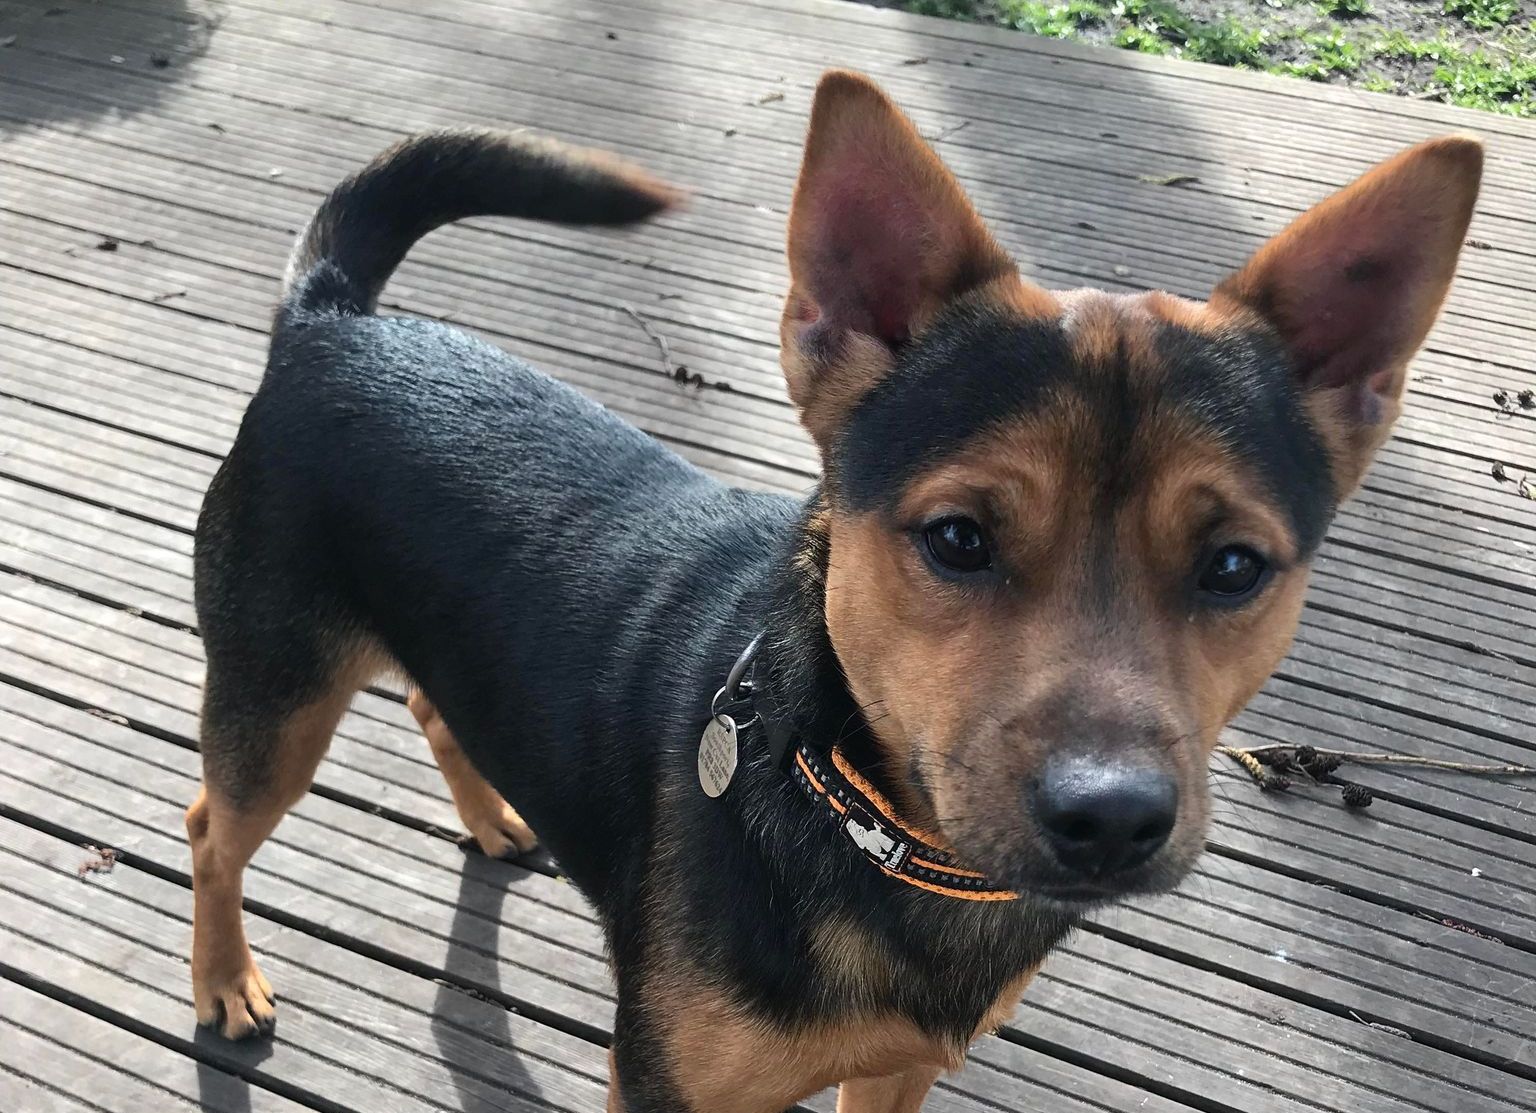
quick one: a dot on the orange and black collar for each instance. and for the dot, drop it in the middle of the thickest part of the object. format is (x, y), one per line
(867, 819)
(847, 799)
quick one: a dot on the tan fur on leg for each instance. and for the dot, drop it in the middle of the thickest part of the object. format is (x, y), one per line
(498, 828)
(896, 1093)
(227, 988)
(615, 1101)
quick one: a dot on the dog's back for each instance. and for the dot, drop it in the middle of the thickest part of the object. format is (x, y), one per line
(403, 494)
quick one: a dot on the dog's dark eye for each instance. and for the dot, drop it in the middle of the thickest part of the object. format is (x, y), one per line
(1233, 573)
(958, 544)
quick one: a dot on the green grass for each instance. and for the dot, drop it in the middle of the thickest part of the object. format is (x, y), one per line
(1478, 79)
(946, 9)
(1395, 44)
(1158, 27)
(1228, 43)
(1132, 37)
(1345, 9)
(1159, 18)
(1496, 78)
(1059, 21)
(1339, 41)
(1334, 51)
(1484, 15)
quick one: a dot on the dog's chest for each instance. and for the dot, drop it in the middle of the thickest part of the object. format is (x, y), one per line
(951, 973)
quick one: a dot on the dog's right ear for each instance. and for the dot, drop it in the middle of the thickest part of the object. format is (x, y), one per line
(881, 236)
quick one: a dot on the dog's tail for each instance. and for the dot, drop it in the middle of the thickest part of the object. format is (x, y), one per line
(364, 228)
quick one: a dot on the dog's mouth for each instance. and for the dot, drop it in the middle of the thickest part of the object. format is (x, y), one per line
(1089, 894)
(1078, 896)
(1034, 873)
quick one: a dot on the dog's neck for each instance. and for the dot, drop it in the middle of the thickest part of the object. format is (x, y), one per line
(799, 666)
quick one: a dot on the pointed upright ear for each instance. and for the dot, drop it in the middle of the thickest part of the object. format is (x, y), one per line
(881, 236)
(1354, 285)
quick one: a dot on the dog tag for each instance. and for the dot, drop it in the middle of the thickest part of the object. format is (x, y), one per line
(717, 756)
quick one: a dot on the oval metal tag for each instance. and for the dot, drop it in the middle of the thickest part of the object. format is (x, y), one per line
(717, 756)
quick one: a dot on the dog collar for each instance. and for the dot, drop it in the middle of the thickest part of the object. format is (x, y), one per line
(847, 800)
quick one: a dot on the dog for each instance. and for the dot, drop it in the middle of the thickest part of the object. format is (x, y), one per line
(836, 772)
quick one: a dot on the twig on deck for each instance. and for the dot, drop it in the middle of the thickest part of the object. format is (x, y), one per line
(678, 373)
(1274, 767)
(656, 338)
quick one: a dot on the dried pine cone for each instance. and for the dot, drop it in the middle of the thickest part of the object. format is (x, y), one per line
(1357, 796)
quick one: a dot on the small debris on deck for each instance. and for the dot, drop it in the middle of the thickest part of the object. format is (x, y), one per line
(1167, 179)
(1387, 1028)
(1358, 796)
(101, 859)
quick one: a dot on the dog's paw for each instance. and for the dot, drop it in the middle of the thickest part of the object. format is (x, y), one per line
(239, 1005)
(501, 833)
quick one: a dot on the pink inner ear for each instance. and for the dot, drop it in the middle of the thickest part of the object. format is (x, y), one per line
(1354, 284)
(1346, 312)
(866, 259)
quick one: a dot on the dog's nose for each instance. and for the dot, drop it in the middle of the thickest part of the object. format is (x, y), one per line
(1103, 818)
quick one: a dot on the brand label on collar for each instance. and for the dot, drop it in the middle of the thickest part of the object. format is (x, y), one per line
(874, 840)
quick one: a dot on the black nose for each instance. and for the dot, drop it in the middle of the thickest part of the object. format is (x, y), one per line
(1102, 818)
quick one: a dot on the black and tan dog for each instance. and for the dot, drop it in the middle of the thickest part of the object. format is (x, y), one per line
(1061, 539)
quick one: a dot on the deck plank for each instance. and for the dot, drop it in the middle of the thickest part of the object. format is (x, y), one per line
(75, 1059)
(1443, 412)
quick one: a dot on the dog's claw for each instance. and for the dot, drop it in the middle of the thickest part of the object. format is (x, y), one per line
(243, 1008)
(505, 836)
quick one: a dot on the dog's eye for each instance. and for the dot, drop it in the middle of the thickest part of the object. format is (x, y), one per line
(1233, 573)
(958, 544)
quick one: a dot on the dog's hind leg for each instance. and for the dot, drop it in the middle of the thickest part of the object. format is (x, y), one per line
(493, 822)
(260, 752)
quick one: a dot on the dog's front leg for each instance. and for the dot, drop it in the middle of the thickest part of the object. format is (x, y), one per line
(896, 1093)
(495, 826)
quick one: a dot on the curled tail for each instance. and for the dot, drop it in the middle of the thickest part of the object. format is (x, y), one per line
(364, 228)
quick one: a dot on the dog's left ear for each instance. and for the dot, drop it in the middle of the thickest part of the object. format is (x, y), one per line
(1354, 285)
(881, 237)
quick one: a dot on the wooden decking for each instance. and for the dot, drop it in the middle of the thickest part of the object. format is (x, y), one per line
(156, 158)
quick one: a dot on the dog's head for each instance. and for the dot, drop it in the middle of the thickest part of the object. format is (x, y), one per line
(1070, 532)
